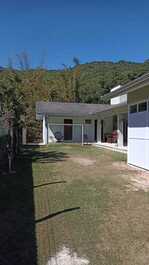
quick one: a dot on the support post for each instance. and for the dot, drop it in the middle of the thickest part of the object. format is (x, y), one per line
(45, 130)
(120, 130)
(99, 130)
(82, 134)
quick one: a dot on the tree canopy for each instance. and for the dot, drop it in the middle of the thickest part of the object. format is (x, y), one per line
(81, 83)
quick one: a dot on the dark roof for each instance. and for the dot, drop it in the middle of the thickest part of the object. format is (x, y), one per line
(130, 86)
(69, 109)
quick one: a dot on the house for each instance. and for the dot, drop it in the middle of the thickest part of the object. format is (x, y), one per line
(70, 122)
(137, 93)
(122, 125)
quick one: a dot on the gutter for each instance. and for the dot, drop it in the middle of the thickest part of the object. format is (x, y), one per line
(67, 114)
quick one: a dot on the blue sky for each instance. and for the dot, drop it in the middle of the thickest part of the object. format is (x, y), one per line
(91, 30)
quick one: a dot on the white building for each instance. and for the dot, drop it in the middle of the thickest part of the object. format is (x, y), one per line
(137, 93)
(123, 125)
(69, 122)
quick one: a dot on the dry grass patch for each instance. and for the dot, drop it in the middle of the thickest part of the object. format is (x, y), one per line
(138, 179)
(83, 161)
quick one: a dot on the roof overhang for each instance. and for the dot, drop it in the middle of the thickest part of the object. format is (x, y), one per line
(129, 87)
(50, 114)
(61, 109)
(114, 110)
(39, 116)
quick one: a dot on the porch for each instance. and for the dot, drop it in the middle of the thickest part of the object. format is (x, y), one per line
(70, 129)
(112, 146)
(113, 133)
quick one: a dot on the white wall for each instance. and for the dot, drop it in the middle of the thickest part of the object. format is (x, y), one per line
(138, 139)
(76, 131)
(44, 130)
(119, 100)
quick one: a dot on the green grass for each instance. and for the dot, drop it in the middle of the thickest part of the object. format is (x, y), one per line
(54, 201)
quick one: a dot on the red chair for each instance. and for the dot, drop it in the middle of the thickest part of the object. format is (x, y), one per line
(114, 136)
(111, 138)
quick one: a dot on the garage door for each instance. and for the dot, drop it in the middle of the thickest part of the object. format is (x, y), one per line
(138, 139)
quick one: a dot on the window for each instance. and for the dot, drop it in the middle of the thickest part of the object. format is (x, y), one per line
(143, 106)
(133, 108)
(88, 121)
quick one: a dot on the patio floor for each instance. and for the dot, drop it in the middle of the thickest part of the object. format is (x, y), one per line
(112, 146)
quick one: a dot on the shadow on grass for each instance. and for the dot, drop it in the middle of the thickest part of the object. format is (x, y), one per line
(57, 213)
(17, 214)
(17, 229)
(36, 155)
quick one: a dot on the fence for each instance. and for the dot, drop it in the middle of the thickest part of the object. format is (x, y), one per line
(77, 133)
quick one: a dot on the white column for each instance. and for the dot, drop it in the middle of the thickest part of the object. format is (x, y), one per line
(98, 130)
(82, 134)
(120, 130)
(45, 131)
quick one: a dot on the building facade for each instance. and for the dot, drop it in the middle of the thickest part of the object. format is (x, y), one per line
(122, 125)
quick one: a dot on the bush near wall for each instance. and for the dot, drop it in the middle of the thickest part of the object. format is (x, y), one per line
(34, 132)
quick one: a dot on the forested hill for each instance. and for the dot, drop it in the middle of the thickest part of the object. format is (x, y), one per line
(96, 78)
(80, 83)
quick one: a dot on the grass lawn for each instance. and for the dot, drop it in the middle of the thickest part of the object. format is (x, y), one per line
(73, 205)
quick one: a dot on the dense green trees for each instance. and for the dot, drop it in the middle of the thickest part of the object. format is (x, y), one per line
(11, 98)
(88, 82)
(12, 109)
(80, 83)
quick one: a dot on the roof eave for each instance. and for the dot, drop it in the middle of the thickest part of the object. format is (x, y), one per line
(114, 108)
(67, 114)
(131, 86)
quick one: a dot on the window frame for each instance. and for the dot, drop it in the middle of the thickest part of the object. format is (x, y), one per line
(143, 102)
(137, 104)
(132, 105)
(88, 122)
